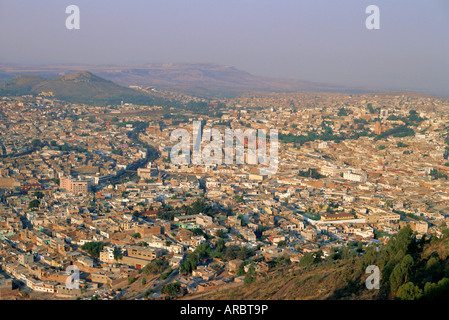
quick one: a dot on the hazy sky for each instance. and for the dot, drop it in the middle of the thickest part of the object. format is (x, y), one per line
(316, 40)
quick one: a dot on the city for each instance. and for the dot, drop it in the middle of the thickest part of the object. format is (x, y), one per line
(95, 188)
(224, 158)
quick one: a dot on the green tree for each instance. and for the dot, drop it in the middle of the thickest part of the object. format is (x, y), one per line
(38, 194)
(230, 252)
(282, 243)
(117, 253)
(34, 204)
(220, 245)
(433, 268)
(243, 253)
(93, 248)
(190, 263)
(154, 267)
(171, 289)
(250, 276)
(409, 291)
(221, 234)
(307, 259)
(436, 291)
(401, 272)
(147, 293)
(131, 280)
(36, 143)
(166, 273)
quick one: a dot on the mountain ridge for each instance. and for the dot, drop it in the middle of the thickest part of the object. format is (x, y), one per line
(194, 78)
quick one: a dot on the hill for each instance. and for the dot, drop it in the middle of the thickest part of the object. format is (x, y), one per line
(78, 87)
(410, 269)
(194, 78)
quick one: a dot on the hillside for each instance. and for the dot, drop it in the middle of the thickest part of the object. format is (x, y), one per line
(411, 269)
(194, 78)
(78, 87)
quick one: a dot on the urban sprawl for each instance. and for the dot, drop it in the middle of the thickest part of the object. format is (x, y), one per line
(93, 189)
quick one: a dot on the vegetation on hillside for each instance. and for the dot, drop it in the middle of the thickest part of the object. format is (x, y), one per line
(410, 269)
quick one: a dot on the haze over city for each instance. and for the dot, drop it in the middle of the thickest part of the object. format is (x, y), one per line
(231, 151)
(319, 41)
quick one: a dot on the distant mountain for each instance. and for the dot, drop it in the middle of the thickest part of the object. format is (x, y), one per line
(196, 78)
(22, 84)
(78, 87)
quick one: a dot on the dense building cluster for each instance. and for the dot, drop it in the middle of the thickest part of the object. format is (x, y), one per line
(94, 187)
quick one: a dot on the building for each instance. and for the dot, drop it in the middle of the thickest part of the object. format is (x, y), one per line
(74, 186)
(354, 176)
(378, 128)
(6, 290)
(337, 216)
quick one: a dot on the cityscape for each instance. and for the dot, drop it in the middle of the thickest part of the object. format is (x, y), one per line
(94, 188)
(101, 199)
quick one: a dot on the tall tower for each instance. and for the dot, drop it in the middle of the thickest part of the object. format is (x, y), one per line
(378, 129)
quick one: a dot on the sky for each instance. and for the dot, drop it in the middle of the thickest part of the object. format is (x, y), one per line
(314, 40)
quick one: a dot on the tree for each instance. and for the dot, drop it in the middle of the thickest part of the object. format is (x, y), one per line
(401, 273)
(117, 253)
(250, 276)
(93, 248)
(166, 273)
(131, 280)
(409, 291)
(317, 256)
(34, 204)
(220, 245)
(307, 259)
(436, 291)
(148, 293)
(190, 264)
(38, 194)
(221, 234)
(199, 206)
(243, 253)
(36, 143)
(171, 289)
(433, 268)
(155, 266)
(230, 252)
(359, 247)
(241, 269)
(282, 243)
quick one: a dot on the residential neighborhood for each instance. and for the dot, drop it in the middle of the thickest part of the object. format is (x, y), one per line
(93, 208)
